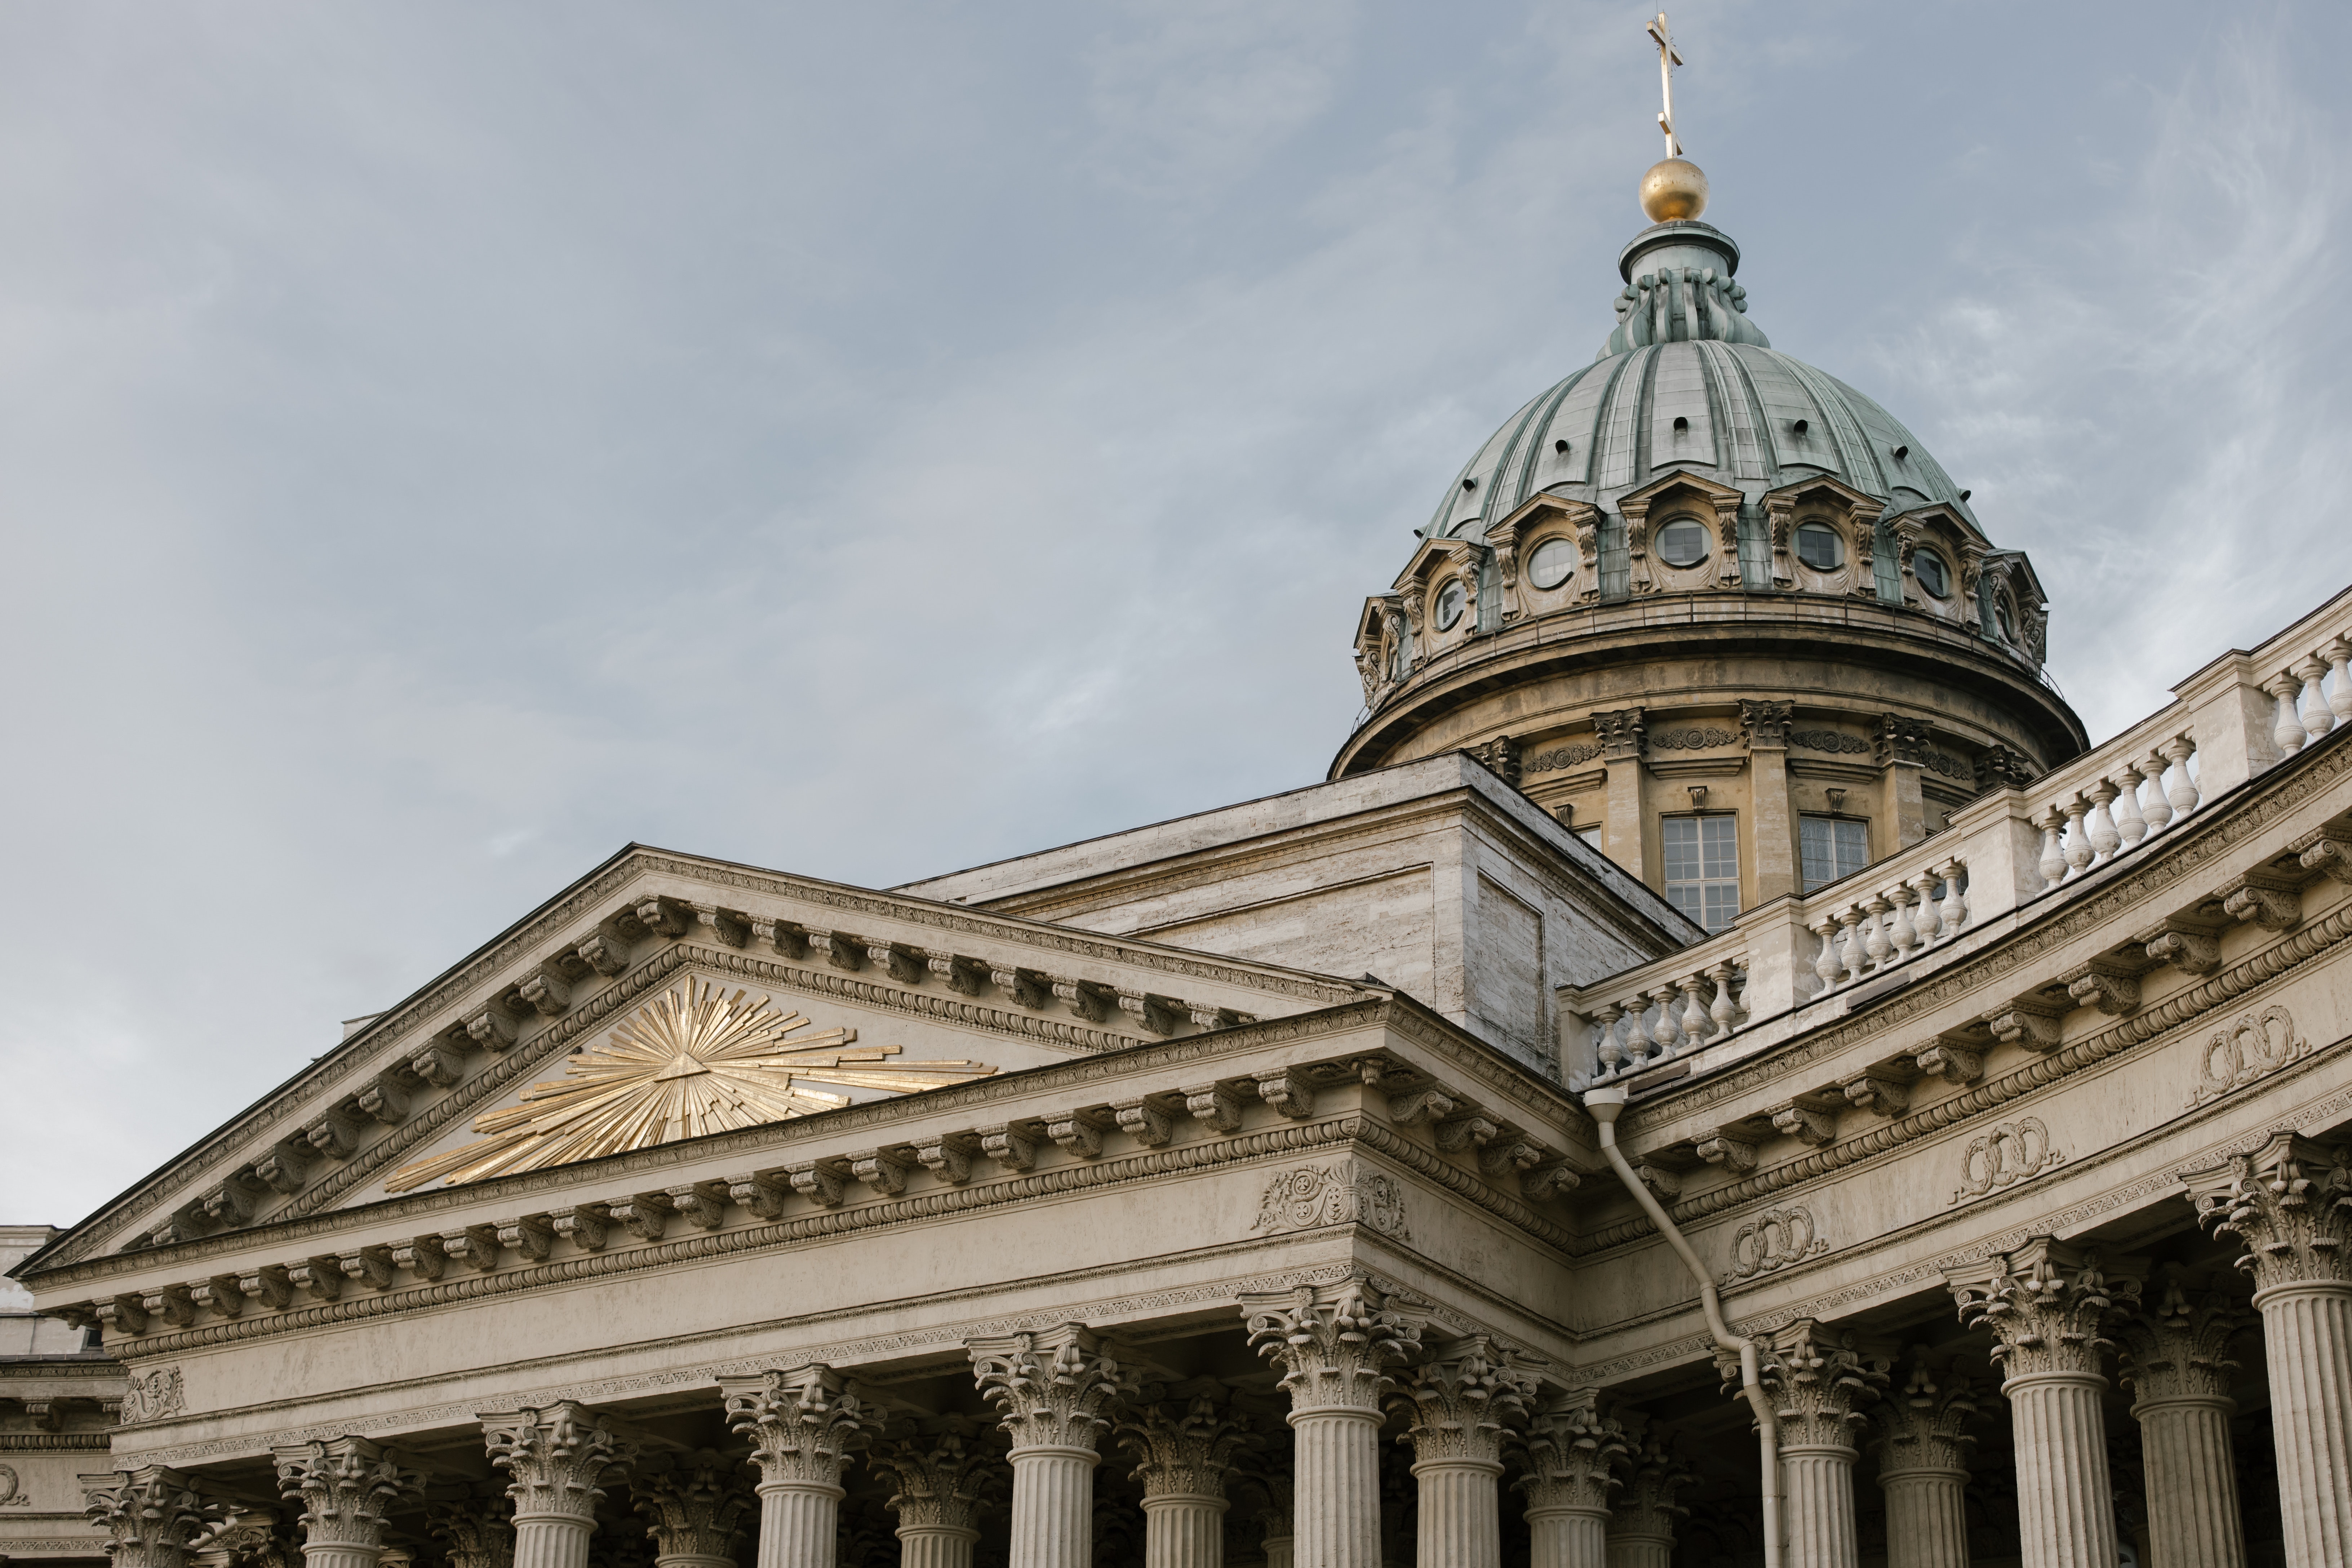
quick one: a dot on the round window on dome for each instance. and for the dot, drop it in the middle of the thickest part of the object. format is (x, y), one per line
(1933, 575)
(1553, 563)
(1450, 601)
(1682, 543)
(1818, 546)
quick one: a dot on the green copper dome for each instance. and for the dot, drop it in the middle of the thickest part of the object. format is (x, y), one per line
(1687, 382)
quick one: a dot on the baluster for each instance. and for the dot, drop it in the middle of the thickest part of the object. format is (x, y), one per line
(2054, 859)
(2337, 653)
(2158, 811)
(1739, 1003)
(2126, 807)
(2079, 852)
(1955, 907)
(1825, 962)
(2317, 716)
(1900, 933)
(1923, 913)
(1605, 1049)
(2288, 731)
(1722, 1011)
(1850, 922)
(2100, 828)
(1640, 1046)
(1697, 1023)
(1668, 1037)
(2183, 793)
(1874, 941)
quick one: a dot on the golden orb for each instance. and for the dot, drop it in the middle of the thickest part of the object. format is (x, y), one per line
(1673, 189)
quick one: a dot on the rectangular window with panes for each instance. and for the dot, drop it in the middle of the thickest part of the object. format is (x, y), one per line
(1702, 856)
(1830, 848)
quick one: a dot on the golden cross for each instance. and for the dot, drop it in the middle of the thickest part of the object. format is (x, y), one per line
(1667, 60)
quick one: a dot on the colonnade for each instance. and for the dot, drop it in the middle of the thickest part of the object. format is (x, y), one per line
(1598, 1492)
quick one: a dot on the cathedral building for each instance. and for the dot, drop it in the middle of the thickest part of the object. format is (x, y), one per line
(1722, 1072)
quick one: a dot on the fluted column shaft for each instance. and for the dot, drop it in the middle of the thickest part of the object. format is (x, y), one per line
(1336, 1519)
(691, 1559)
(340, 1554)
(1568, 1537)
(1184, 1529)
(936, 1545)
(1641, 1549)
(2307, 1339)
(1460, 1522)
(2065, 1502)
(551, 1539)
(799, 1523)
(1819, 1517)
(1279, 1550)
(2192, 1485)
(1053, 1507)
(1927, 1517)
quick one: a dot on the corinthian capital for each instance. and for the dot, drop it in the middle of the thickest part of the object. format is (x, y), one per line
(1462, 1403)
(344, 1487)
(1572, 1454)
(2048, 1304)
(151, 1514)
(944, 1475)
(556, 1458)
(802, 1423)
(1185, 1440)
(1056, 1389)
(2179, 1347)
(476, 1532)
(1655, 1473)
(1921, 1425)
(1820, 1382)
(1330, 1341)
(2291, 1202)
(693, 1507)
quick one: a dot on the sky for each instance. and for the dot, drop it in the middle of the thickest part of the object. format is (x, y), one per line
(441, 443)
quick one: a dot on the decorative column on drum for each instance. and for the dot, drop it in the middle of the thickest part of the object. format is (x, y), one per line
(556, 1461)
(2048, 1305)
(2176, 1361)
(694, 1508)
(802, 1424)
(152, 1515)
(2291, 1203)
(1572, 1453)
(944, 1475)
(1056, 1390)
(1923, 1466)
(1330, 1342)
(344, 1488)
(1184, 1439)
(1642, 1526)
(1461, 1404)
(1819, 1383)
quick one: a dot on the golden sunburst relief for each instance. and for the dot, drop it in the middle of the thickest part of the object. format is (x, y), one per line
(693, 1060)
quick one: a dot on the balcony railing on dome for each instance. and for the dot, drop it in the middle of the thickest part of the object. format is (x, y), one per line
(2004, 855)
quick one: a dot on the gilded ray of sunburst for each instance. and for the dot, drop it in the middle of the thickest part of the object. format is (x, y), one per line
(693, 1060)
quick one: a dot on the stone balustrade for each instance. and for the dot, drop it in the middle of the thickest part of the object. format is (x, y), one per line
(1692, 1001)
(2111, 800)
(1919, 902)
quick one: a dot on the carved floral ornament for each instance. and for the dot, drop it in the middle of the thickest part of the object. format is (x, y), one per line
(692, 1061)
(1313, 1195)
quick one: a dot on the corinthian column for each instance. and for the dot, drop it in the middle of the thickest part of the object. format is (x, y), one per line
(1330, 1342)
(477, 1532)
(1642, 1528)
(943, 1476)
(2175, 1360)
(1461, 1404)
(1274, 1520)
(694, 1511)
(1572, 1453)
(152, 1515)
(2291, 1203)
(344, 1488)
(1820, 1383)
(2048, 1305)
(1923, 1467)
(556, 1460)
(1184, 1447)
(1056, 1390)
(803, 1425)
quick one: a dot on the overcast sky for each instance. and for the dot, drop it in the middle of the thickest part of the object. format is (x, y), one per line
(441, 443)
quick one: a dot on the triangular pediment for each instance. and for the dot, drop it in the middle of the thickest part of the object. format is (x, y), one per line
(665, 998)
